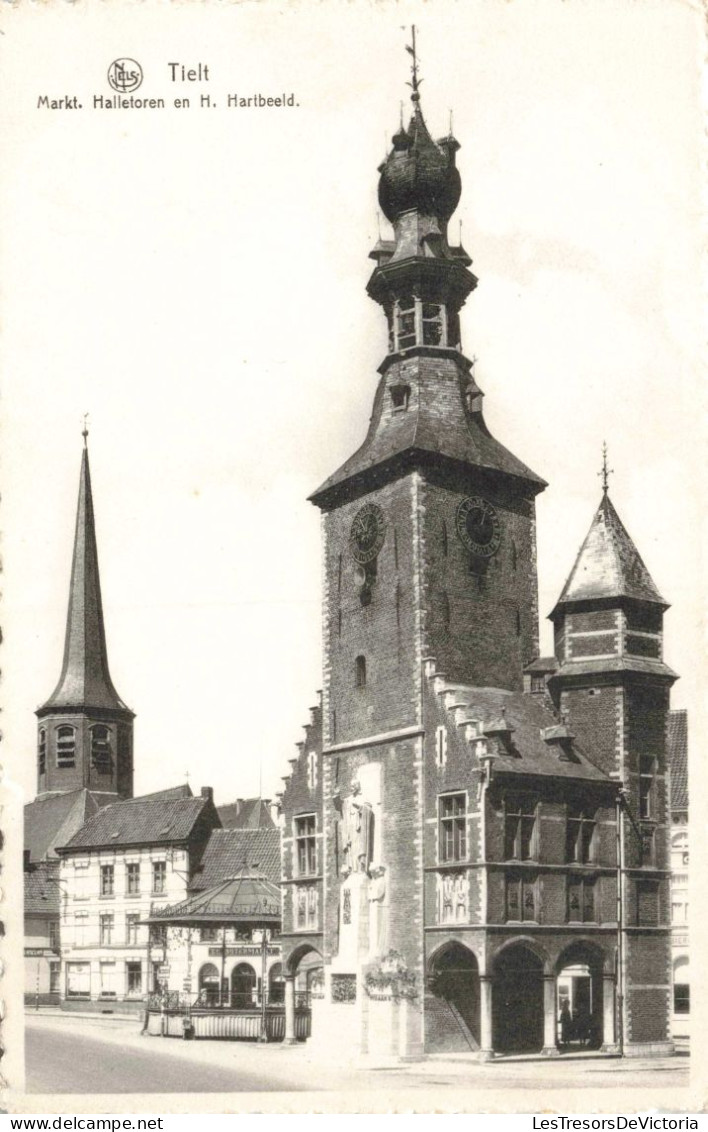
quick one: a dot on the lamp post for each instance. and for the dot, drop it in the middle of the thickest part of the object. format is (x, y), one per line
(263, 1036)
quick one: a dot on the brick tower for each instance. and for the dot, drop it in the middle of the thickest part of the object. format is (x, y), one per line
(85, 731)
(612, 690)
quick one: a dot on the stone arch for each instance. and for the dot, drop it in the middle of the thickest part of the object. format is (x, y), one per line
(208, 982)
(579, 969)
(296, 957)
(518, 996)
(532, 944)
(452, 1001)
(243, 982)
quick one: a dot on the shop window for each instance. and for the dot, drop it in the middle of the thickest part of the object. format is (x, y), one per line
(276, 984)
(107, 880)
(581, 900)
(66, 746)
(101, 747)
(108, 983)
(42, 751)
(133, 879)
(520, 836)
(521, 897)
(78, 980)
(134, 978)
(580, 834)
(452, 819)
(159, 877)
(306, 845)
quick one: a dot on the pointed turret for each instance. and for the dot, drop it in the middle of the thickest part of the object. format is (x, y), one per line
(85, 729)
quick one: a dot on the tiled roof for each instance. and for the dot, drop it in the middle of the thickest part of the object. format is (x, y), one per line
(42, 893)
(183, 791)
(524, 751)
(609, 564)
(53, 820)
(246, 897)
(678, 759)
(246, 813)
(230, 851)
(140, 822)
(646, 664)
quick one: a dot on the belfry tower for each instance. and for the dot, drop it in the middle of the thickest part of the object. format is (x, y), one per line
(85, 731)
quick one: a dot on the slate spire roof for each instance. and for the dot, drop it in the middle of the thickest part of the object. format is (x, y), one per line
(85, 679)
(609, 564)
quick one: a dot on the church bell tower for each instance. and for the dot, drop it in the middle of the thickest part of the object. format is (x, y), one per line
(85, 731)
(429, 527)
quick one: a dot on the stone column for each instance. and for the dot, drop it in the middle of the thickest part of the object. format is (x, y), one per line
(550, 1048)
(290, 1039)
(486, 1049)
(609, 1041)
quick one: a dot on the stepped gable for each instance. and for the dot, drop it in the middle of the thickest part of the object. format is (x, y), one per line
(143, 821)
(678, 759)
(608, 565)
(54, 819)
(232, 851)
(300, 789)
(246, 813)
(520, 731)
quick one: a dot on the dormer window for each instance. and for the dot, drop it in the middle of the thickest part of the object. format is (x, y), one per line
(101, 746)
(66, 746)
(400, 396)
(42, 751)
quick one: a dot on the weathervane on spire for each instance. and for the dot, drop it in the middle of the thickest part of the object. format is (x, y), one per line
(415, 81)
(84, 431)
(606, 472)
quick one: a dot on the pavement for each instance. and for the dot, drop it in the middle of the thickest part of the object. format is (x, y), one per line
(103, 1055)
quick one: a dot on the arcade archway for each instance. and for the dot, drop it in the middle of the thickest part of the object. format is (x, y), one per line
(452, 1019)
(517, 1000)
(580, 1001)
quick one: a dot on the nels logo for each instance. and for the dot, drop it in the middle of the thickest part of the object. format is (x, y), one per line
(125, 75)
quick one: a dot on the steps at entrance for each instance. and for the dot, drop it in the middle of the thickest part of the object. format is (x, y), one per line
(445, 1029)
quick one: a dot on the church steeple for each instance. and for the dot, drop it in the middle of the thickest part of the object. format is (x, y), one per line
(85, 729)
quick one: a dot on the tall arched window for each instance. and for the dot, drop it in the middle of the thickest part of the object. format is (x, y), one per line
(443, 538)
(42, 750)
(360, 672)
(66, 746)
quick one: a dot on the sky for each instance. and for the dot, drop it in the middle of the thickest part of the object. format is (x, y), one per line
(194, 279)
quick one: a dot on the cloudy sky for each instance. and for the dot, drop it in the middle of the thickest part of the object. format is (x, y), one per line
(195, 279)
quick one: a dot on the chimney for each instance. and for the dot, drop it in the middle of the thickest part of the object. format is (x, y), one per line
(207, 792)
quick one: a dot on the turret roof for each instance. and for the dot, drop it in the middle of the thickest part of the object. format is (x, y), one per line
(609, 564)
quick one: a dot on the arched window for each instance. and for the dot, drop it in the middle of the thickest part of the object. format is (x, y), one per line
(360, 672)
(276, 984)
(42, 750)
(209, 984)
(443, 538)
(101, 746)
(513, 555)
(445, 610)
(66, 746)
(518, 623)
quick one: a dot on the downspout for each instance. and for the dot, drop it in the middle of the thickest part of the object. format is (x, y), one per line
(619, 834)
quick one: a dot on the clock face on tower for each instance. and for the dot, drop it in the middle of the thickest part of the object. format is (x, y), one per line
(367, 533)
(478, 526)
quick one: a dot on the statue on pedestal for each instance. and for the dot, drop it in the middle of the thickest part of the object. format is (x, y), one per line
(357, 832)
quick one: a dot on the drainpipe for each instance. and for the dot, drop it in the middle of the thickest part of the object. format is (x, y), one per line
(619, 834)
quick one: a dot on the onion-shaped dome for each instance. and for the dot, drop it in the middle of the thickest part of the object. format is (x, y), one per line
(419, 174)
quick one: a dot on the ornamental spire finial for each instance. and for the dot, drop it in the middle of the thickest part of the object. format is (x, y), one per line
(84, 431)
(415, 81)
(606, 472)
